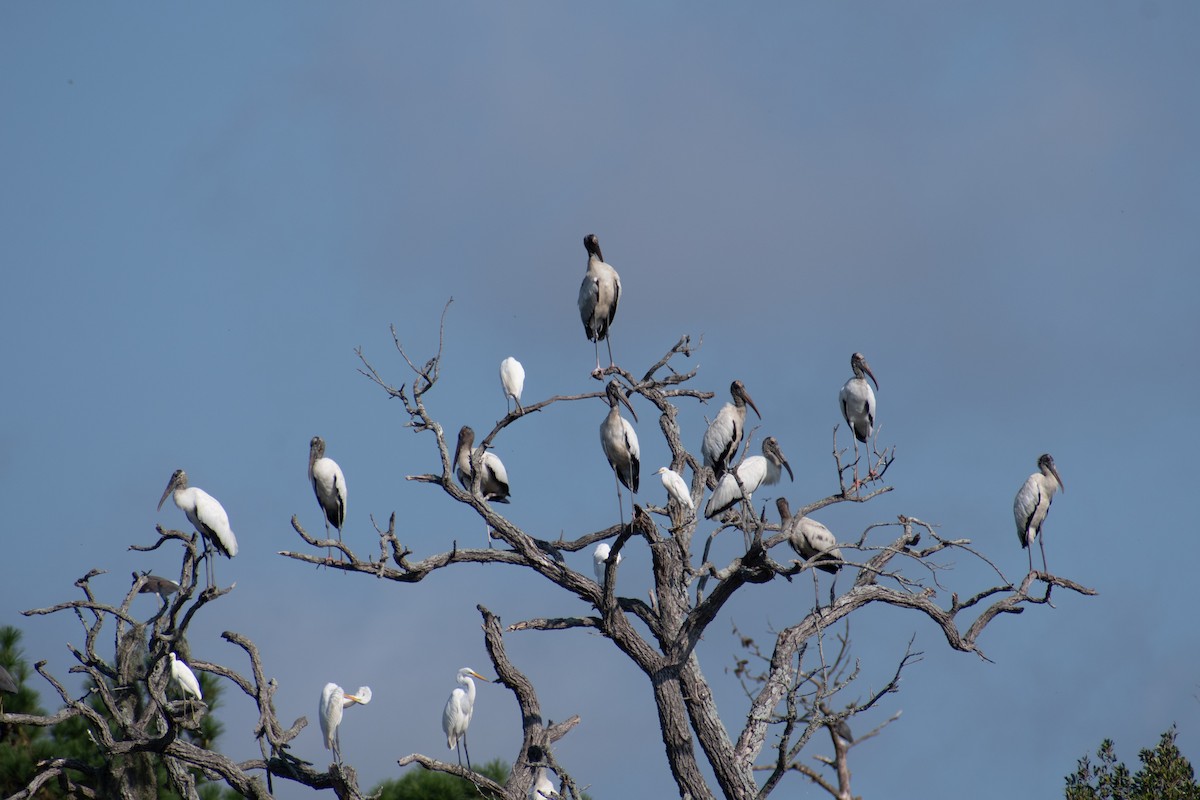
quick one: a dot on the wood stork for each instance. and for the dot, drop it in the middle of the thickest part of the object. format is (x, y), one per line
(184, 679)
(329, 485)
(755, 471)
(810, 539)
(724, 435)
(512, 380)
(598, 296)
(205, 514)
(858, 407)
(677, 489)
(156, 585)
(543, 788)
(333, 700)
(1032, 504)
(494, 480)
(599, 559)
(620, 442)
(456, 717)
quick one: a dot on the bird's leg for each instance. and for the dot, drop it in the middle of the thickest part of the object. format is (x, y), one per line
(608, 341)
(620, 500)
(1030, 549)
(596, 372)
(467, 750)
(337, 746)
(1042, 545)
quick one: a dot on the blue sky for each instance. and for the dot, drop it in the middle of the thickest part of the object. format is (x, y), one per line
(203, 212)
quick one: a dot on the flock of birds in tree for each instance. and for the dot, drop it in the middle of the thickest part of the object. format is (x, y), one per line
(598, 297)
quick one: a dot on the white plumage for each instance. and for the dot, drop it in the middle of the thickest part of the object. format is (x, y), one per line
(598, 297)
(724, 434)
(456, 717)
(543, 788)
(1032, 504)
(184, 678)
(619, 440)
(676, 488)
(333, 700)
(599, 556)
(494, 481)
(810, 539)
(857, 400)
(205, 514)
(512, 380)
(329, 485)
(755, 471)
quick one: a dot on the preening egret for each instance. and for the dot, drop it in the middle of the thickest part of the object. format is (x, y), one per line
(333, 700)
(543, 788)
(810, 539)
(494, 481)
(755, 471)
(620, 443)
(677, 489)
(512, 380)
(456, 718)
(329, 485)
(156, 585)
(599, 556)
(183, 678)
(724, 434)
(1032, 504)
(205, 514)
(598, 296)
(858, 407)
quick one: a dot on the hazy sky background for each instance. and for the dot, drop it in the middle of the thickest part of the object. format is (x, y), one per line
(204, 210)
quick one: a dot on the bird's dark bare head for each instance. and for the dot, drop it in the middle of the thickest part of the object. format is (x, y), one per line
(858, 363)
(741, 397)
(615, 395)
(1047, 467)
(466, 437)
(316, 448)
(771, 450)
(178, 481)
(593, 245)
(785, 509)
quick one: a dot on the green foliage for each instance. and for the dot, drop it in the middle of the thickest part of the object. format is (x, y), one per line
(421, 784)
(1165, 775)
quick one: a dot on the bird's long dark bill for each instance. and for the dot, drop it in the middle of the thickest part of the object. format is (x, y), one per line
(867, 370)
(167, 493)
(1061, 485)
(750, 403)
(788, 467)
(628, 405)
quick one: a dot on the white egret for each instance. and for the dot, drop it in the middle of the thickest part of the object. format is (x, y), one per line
(755, 471)
(512, 380)
(456, 717)
(724, 435)
(329, 485)
(599, 556)
(205, 514)
(858, 408)
(620, 442)
(333, 700)
(677, 489)
(494, 481)
(184, 679)
(1032, 504)
(543, 788)
(598, 296)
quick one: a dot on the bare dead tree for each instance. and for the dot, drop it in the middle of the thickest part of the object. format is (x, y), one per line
(791, 688)
(890, 565)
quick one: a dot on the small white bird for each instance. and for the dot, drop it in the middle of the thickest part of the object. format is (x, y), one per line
(753, 472)
(599, 556)
(329, 485)
(858, 406)
(494, 481)
(205, 514)
(724, 435)
(598, 296)
(676, 488)
(184, 679)
(1032, 504)
(543, 788)
(512, 380)
(456, 717)
(333, 700)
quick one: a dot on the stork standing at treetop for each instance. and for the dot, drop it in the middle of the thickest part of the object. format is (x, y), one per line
(329, 485)
(620, 442)
(755, 471)
(598, 296)
(858, 408)
(205, 514)
(1032, 504)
